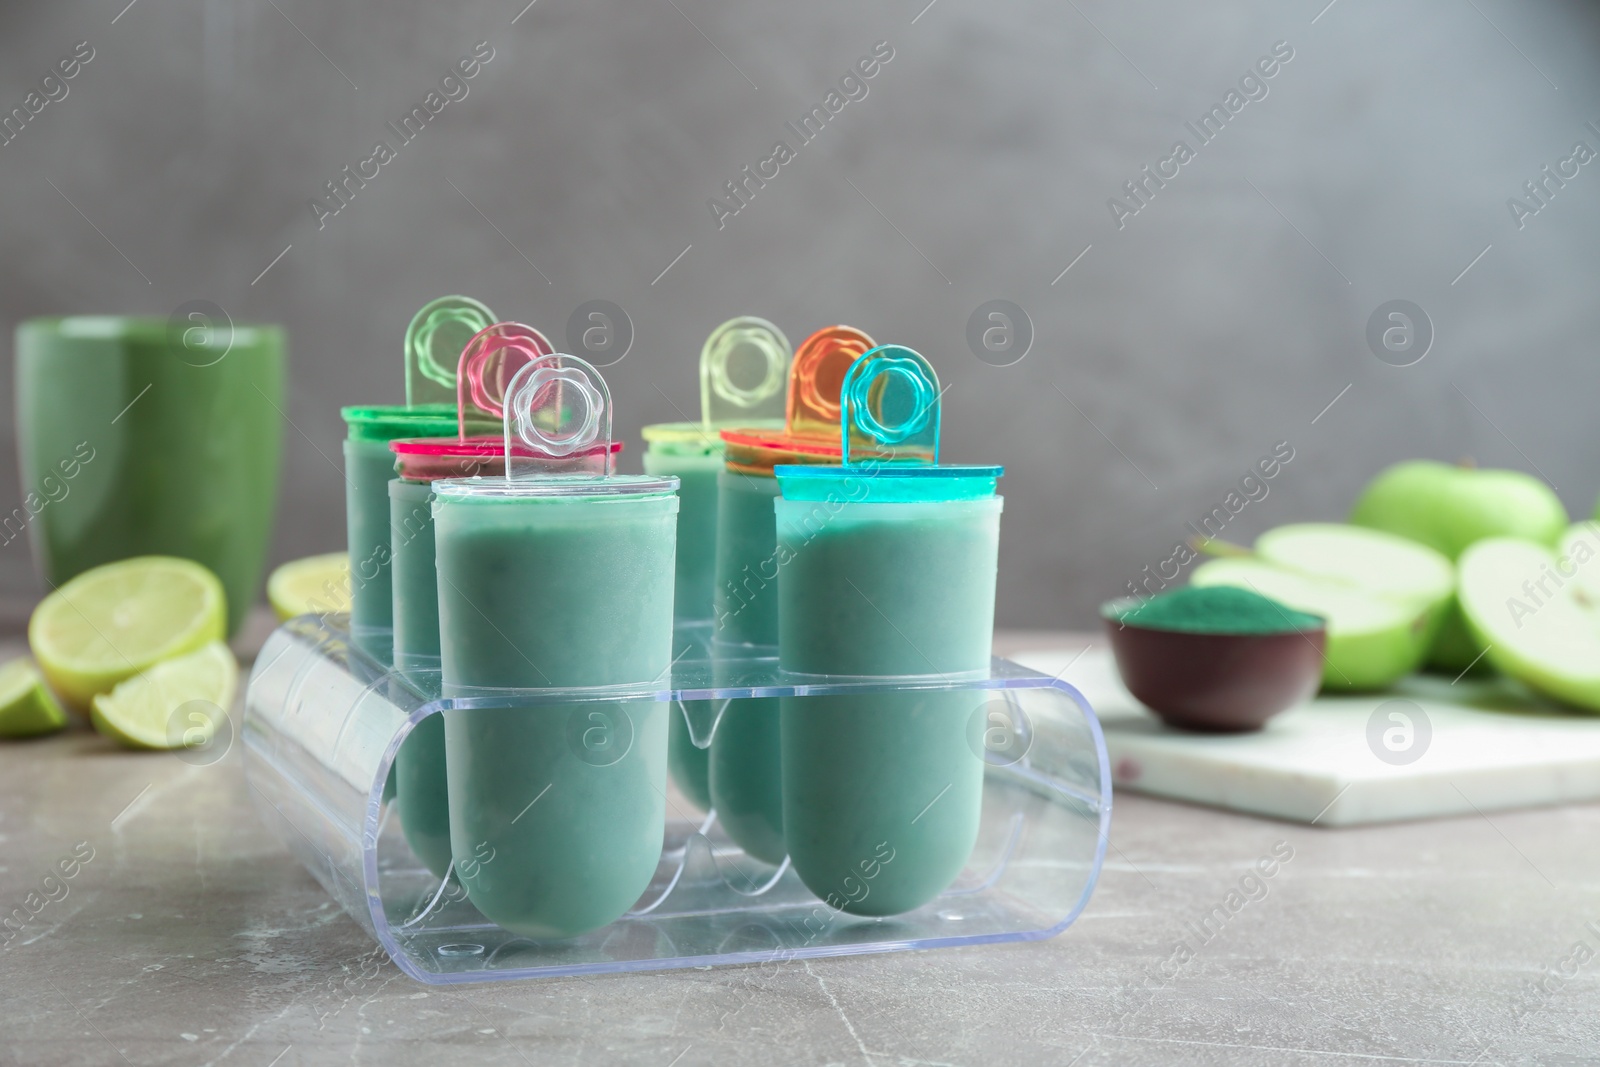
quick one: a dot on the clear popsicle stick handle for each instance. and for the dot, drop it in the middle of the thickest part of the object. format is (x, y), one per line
(890, 408)
(744, 349)
(433, 347)
(557, 406)
(487, 364)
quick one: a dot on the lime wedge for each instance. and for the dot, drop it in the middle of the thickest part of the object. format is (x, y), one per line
(26, 707)
(313, 584)
(115, 621)
(176, 704)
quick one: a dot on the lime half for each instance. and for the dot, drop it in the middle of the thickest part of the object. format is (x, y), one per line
(313, 584)
(176, 704)
(26, 707)
(115, 621)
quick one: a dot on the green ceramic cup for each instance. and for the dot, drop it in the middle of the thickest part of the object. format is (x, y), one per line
(148, 436)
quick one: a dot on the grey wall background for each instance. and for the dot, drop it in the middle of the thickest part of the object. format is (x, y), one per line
(1220, 320)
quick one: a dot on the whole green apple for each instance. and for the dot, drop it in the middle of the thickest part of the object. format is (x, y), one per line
(1449, 508)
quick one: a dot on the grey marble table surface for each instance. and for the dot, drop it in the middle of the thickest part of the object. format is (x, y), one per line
(190, 936)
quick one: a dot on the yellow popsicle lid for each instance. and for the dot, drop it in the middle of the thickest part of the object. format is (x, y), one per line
(726, 360)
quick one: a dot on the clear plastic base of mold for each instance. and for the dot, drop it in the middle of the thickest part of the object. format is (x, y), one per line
(324, 723)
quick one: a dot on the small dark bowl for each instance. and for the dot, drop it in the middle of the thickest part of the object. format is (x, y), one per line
(1215, 683)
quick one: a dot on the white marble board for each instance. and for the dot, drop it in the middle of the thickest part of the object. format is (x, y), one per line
(1491, 746)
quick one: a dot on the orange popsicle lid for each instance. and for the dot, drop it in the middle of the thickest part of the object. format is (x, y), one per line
(811, 425)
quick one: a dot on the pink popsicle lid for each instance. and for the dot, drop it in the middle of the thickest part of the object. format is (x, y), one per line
(427, 459)
(489, 360)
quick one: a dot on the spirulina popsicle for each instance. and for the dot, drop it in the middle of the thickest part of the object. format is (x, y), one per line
(433, 341)
(889, 566)
(368, 469)
(420, 763)
(485, 364)
(549, 580)
(745, 769)
(744, 367)
(386, 562)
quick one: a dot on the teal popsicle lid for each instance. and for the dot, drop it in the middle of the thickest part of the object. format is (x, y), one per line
(556, 416)
(889, 429)
(725, 362)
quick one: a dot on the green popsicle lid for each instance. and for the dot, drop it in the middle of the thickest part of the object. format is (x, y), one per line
(557, 439)
(434, 340)
(725, 359)
(889, 431)
(385, 422)
(433, 345)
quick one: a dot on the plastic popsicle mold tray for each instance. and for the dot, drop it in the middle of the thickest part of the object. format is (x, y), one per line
(323, 723)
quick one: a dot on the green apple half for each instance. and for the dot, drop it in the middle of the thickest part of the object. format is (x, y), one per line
(1581, 543)
(1383, 596)
(1450, 508)
(1538, 611)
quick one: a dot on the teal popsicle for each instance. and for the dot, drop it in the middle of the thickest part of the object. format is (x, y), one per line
(485, 363)
(555, 581)
(433, 341)
(420, 763)
(395, 613)
(414, 580)
(368, 469)
(697, 537)
(745, 765)
(744, 367)
(889, 565)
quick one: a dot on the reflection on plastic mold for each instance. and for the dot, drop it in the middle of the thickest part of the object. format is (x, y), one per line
(323, 724)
